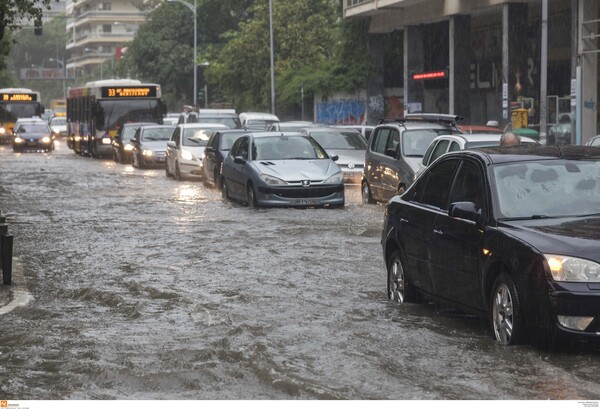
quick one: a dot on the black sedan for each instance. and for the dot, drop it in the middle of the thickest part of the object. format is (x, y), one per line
(217, 148)
(511, 234)
(33, 136)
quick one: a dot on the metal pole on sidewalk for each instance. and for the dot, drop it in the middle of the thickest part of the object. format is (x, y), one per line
(6, 246)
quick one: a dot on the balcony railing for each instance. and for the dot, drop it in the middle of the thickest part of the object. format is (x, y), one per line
(351, 3)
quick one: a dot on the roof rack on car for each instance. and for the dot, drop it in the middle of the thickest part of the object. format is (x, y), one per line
(450, 119)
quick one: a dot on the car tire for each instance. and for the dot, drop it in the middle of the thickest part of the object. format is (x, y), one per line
(250, 196)
(134, 160)
(115, 157)
(216, 179)
(505, 311)
(399, 289)
(177, 171)
(167, 174)
(224, 190)
(367, 197)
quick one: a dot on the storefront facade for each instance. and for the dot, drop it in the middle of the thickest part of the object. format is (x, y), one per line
(489, 60)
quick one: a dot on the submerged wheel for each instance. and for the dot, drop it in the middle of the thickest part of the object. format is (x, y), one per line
(250, 196)
(224, 191)
(367, 197)
(505, 310)
(398, 288)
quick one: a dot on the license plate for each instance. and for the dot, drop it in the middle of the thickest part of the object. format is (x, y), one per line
(31, 143)
(305, 202)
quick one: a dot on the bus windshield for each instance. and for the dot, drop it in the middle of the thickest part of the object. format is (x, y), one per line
(114, 113)
(12, 112)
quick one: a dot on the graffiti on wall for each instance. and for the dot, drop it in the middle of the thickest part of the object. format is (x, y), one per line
(342, 112)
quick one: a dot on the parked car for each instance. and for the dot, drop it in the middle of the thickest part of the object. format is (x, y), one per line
(509, 233)
(33, 136)
(595, 141)
(150, 145)
(257, 120)
(227, 117)
(396, 149)
(290, 126)
(281, 169)
(216, 150)
(58, 125)
(185, 150)
(450, 143)
(347, 144)
(121, 144)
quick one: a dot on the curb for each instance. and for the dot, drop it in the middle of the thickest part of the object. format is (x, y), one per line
(15, 295)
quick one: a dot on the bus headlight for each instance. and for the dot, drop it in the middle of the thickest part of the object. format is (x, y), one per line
(2, 130)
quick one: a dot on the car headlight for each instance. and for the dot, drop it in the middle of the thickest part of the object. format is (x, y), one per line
(77, 138)
(106, 141)
(147, 152)
(335, 179)
(55, 130)
(271, 180)
(187, 155)
(128, 147)
(46, 139)
(2, 130)
(565, 268)
(18, 139)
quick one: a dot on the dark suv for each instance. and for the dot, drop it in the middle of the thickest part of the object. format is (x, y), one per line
(395, 151)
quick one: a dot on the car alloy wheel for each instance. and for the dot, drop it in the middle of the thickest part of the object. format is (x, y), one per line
(505, 311)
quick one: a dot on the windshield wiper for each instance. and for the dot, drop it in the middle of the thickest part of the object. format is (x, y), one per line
(532, 217)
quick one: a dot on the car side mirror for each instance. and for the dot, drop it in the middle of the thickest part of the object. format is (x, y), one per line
(171, 144)
(392, 153)
(401, 188)
(335, 158)
(467, 211)
(239, 160)
(209, 149)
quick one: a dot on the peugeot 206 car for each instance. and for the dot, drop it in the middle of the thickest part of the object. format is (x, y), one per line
(281, 169)
(150, 145)
(511, 234)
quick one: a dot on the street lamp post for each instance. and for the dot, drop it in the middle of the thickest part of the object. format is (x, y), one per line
(193, 9)
(91, 50)
(272, 57)
(62, 64)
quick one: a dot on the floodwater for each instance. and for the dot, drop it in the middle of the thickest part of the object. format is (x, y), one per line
(142, 287)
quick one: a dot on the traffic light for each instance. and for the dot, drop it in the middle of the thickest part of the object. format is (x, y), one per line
(37, 27)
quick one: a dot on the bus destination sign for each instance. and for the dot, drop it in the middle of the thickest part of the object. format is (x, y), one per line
(129, 92)
(18, 97)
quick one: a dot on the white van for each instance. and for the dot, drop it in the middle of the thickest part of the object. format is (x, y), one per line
(257, 120)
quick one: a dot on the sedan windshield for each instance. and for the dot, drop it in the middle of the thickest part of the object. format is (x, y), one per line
(286, 147)
(340, 140)
(157, 134)
(196, 136)
(34, 128)
(546, 189)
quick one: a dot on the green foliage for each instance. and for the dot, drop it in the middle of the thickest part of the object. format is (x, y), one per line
(11, 11)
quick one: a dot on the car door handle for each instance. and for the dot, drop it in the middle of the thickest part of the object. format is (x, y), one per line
(438, 231)
(403, 220)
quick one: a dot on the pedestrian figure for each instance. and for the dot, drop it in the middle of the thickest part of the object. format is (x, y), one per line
(509, 139)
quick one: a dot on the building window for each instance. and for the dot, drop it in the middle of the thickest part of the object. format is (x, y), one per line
(107, 28)
(104, 6)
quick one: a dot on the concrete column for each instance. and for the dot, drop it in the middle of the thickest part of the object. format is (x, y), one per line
(461, 56)
(375, 87)
(413, 52)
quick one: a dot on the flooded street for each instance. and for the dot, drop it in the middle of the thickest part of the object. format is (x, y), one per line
(142, 287)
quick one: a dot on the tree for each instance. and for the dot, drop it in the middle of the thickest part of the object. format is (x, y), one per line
(11, 11)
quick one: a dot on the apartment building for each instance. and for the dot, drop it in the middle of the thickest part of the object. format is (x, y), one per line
(97, 30)
(484, 59)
